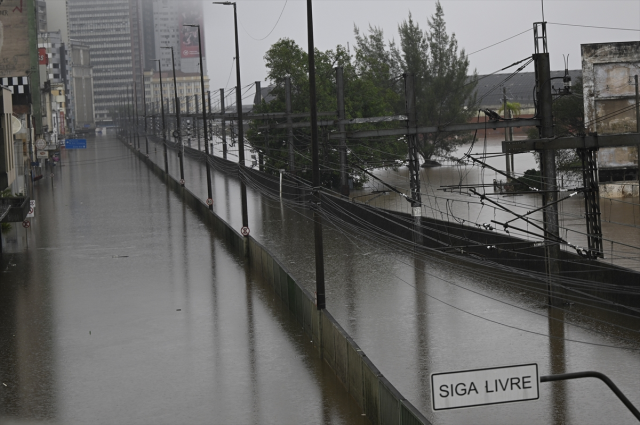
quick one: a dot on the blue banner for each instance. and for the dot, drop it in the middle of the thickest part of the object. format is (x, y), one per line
(75, 143)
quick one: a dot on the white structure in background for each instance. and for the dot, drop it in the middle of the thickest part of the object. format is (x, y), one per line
(608, 71)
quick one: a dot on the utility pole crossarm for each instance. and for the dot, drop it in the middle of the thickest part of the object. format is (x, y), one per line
(442, 129)
(584, 142)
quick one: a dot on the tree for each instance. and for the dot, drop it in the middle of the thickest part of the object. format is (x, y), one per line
(367, 93)
(443, 93)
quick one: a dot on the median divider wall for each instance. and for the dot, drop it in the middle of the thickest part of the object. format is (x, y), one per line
(379, 399)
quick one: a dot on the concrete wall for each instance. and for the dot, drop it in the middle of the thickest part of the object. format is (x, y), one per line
(608, 71)
(377, 397)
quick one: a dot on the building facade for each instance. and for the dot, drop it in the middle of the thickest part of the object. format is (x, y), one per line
(188, 85)
(105, 27)
(608, 71)
(82, 84)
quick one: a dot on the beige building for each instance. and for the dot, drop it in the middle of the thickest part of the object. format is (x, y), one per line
(608, 71)
(187, 85)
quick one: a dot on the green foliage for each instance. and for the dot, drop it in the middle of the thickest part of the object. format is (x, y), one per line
(514, 107)
(374, 87)
(366, 95)
(443, 94)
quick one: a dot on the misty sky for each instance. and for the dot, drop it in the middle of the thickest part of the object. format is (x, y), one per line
(476, 23)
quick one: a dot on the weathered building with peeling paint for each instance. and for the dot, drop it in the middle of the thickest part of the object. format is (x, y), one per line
(608, 71)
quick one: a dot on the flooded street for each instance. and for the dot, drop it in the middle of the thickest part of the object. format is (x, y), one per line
(126, 307)
(119, 306)
(414, 316)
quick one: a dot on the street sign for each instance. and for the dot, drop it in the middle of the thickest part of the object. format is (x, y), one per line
(26, 224)
(31, 212)
(32, 203)
(75, 143)
(40, 143)
(481, 387)
(43, 154)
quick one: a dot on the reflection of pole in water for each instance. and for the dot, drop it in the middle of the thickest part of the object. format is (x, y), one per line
(251, 336)
(557, 364)
(421, 319)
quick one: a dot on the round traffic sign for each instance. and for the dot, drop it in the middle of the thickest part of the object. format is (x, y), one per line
(26, 224)
(245, 231)
(182, 182)
(209, 201)
(31, 210)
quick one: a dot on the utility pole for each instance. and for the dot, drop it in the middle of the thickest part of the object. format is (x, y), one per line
(195, 121)
(635, 78)
(210, 121)
(164, 123)
(414, 162)
(204, 119)
(188, 108)
(224, 126)
(344, 184)
(257, 101)
(136, 114)
(317, 217)
(547, 162)
(243, 187)
(507, 131)
(177, 111)
(287, 97)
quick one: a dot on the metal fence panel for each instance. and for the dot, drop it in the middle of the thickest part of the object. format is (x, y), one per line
(308, 309)
(277, 272)
(389, 403)
(291, 291)
(342, 356)
(370, 390)
(354, 373)
(299, 310)
(284, 290)
(409, 415)
(315, 326)
(266, 259)
(328, 346)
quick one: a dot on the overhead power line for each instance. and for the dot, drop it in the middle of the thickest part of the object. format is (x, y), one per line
(272, 29)
(593, 26)
(499, 42)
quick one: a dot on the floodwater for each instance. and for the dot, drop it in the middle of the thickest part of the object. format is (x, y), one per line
(118, 306)
(414, 315)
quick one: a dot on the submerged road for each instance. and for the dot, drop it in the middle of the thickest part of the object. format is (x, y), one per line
(414, 316)
(119, 306)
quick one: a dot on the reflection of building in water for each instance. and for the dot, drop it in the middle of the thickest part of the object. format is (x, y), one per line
(609, 103)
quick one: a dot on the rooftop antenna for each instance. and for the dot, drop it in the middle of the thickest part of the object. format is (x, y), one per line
(542, 1)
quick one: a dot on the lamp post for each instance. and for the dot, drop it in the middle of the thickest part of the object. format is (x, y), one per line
(317, 217)
(177, 101)
(243, 188)
(136, 115)
(204, 120)
(164, 127)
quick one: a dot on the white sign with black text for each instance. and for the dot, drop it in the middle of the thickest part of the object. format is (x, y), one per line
(480, 387)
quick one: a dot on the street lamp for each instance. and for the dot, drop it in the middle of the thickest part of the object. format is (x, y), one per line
(204, 122)
(243, 188)
(164, 127)
(177, 134)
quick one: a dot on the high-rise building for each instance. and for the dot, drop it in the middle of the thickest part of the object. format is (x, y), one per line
(161, 25)
(105, 27)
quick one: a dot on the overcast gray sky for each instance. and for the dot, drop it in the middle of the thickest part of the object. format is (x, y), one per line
(476, 23)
